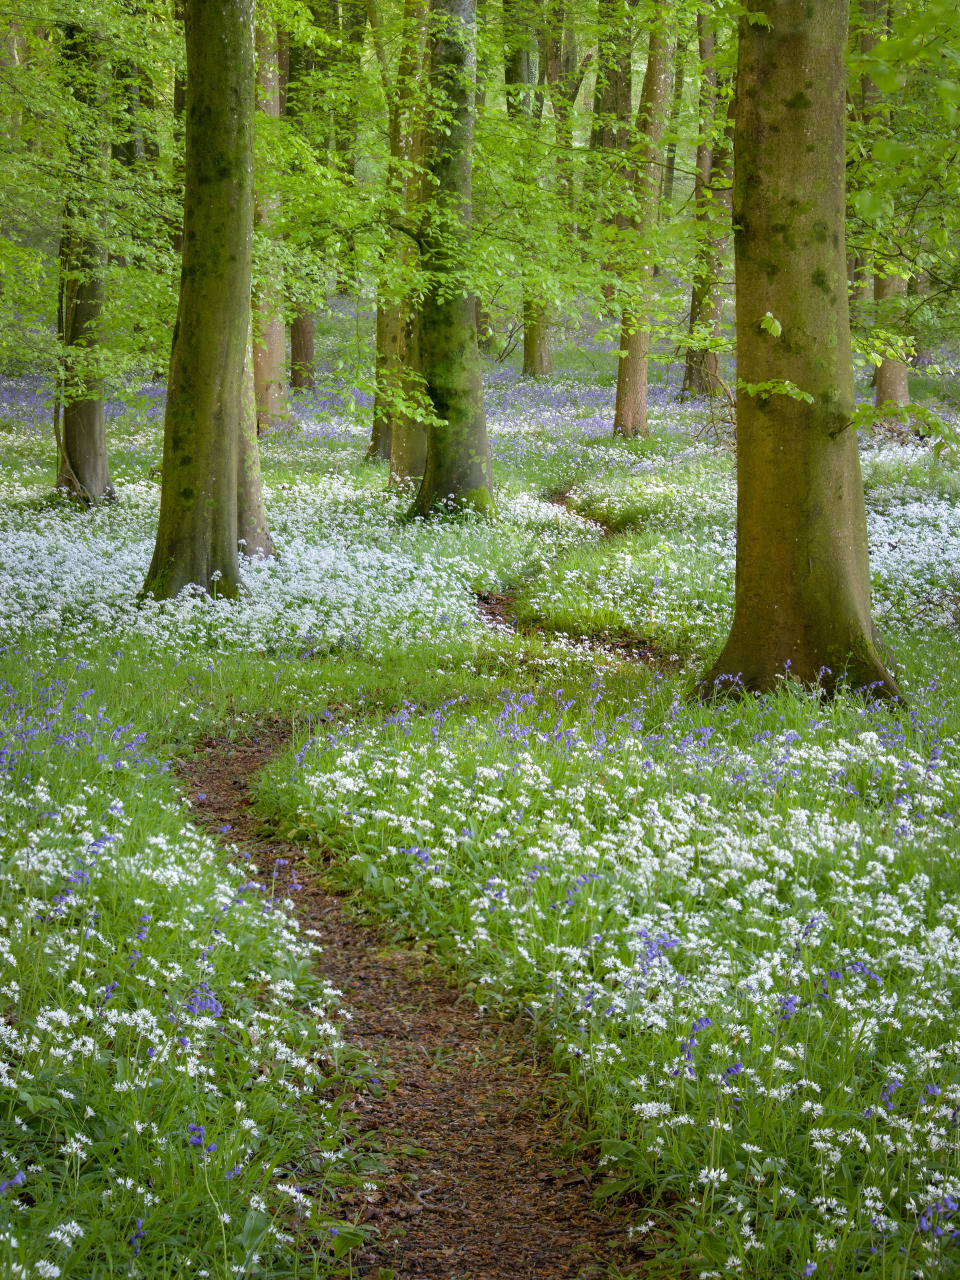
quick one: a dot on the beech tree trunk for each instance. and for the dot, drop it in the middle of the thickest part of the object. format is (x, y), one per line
(302, 351)
(398, 436)
(892, 385)
(630, 410)
(676, 101)
(269, 347)
(518, 44)
(803, 578)
(197, 531)
(253, 535)
(82, 466)
(457, 472)
(701, 373)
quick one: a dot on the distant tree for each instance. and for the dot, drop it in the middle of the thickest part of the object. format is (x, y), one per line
(701, 373)
(197, 531)
(457, 471)
(630, 409)
(269, 339)
(803, 577)
(82, 439)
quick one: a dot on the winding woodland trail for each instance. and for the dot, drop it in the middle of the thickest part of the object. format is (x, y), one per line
(475, 1188)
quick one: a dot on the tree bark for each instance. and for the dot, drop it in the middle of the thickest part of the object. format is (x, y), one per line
(82, 466)
(269, 348)
(457, 471)
(701, 373)
(892, 385)
(518, 79)
(676, 101)
(630, 410)
(398, 436)
(253, 534)
(197, 531)
(303, 351)
(803, 578)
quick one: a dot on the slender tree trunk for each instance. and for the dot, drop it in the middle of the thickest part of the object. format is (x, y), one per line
(457, 471)
(197, 531)
(612, 98)
(518, 79)
(296, 62)
(269, 348)
(803, 578)
(676, 102)
(82, 466)
(303, 350)
(701, 374)
(630, 410)
(82, 447)
(253, 535)
(398, 435)
(892, 385)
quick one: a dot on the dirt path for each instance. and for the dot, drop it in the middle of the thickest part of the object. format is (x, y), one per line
(482, 1194)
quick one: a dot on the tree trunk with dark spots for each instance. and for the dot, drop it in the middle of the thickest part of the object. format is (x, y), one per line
(197, 531)
(803, 579)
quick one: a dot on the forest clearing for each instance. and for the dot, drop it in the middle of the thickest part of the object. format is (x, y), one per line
(479, 766)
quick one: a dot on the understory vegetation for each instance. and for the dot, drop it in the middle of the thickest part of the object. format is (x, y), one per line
(734, 927)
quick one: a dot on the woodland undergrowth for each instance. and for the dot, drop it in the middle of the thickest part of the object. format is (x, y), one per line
(735, 928)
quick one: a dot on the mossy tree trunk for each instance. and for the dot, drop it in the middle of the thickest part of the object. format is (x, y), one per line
(269, 346)
(197, 531)
(82, 465)
(803, 578)
(457, 471)
(630, 410)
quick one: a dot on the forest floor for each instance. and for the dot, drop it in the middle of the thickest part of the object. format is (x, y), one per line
(567, 953)
(477, 1187)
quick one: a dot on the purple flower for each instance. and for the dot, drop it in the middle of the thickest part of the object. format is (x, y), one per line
(136, 1238)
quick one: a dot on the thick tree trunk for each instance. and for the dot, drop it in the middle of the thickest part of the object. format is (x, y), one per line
(457, 472)
(269, 348)
(630, 410)
(803, 578)
(302, 350)
(253, 534)
(892, 385)
(82, 466)
(197, 532)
